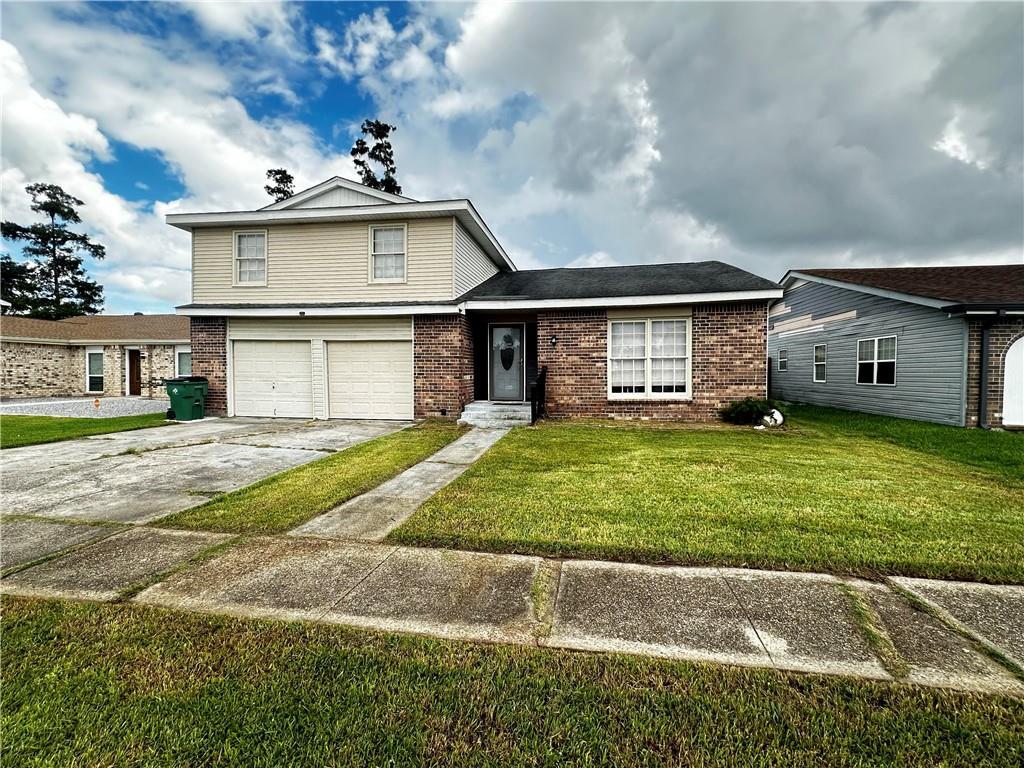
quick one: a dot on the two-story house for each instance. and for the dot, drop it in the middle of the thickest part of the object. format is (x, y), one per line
(347, 302)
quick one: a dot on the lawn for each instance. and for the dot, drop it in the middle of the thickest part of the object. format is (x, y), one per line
(16, 431)
(833, 492)
(282, 501)
(95, 684)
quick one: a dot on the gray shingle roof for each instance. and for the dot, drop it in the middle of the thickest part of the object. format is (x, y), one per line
(633, 280)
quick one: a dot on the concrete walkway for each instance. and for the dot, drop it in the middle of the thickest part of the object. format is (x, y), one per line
(944, 634)
(373, 515)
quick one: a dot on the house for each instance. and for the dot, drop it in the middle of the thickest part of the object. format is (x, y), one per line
(347, 302)
(942, 344)
(107, 355)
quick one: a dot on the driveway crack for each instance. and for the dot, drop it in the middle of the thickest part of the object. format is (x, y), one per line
(358, 584)
(746, 615)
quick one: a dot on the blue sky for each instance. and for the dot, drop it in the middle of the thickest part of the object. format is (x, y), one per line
(768, 136)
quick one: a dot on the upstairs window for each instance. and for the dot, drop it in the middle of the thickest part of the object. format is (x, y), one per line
(820, 354)
(783, 359)
(251, 258)
(876, 361)
(648, 358)
(387, 254)
(94, 369)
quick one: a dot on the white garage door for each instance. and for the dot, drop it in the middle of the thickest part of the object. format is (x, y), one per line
(273, 378)
(369, 379)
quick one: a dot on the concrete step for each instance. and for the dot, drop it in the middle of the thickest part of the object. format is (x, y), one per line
(482, 423)
(480, 406)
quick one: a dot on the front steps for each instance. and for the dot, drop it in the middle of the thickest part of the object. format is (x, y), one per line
(495, 414)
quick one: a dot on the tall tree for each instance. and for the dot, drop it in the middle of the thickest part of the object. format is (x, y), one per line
(282, 186)
(55, 285)
(380, 153)
(17, 284)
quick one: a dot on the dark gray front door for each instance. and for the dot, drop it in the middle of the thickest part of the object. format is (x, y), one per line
(506, 362)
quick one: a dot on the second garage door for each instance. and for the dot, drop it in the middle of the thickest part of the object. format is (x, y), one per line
(273, 378)
(369, 379)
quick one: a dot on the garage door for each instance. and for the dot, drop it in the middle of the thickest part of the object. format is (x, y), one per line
(273, 378)
(369, 379)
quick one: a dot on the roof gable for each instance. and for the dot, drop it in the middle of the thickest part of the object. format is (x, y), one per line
(336, 192)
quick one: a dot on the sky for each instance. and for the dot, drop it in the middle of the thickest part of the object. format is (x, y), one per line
(772, 136)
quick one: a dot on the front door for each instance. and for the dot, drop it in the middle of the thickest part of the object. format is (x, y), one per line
(507, 371)
(134, 372)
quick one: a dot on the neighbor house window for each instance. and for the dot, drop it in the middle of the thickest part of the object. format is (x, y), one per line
(387, 254)
(94, 369)
(820, 354)
(648, 358)
(251, 258)
(783, 359)
(876, 361)
(183, 361)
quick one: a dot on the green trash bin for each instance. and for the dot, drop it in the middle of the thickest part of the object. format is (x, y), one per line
(188, 397)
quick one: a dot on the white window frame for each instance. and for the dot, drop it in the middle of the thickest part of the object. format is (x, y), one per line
(876, 361)
(815, 364)
(103, 357)
(782, 363)
(647, 394)
(178, 350)
(236, 281)
(405, 253)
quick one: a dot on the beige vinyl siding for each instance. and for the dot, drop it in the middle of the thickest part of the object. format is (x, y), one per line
(472, 266)
(322, 262)
(339, 197)
(318, 331)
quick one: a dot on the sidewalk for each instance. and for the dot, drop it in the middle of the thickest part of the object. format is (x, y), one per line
(934, 633)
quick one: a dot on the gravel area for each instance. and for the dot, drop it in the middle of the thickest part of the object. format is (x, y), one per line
(83, 406)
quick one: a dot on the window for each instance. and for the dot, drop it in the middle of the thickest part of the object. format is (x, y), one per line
(251, 258)
(783, 359)
(94, 369)
(387, 254)
(876, 361)
(820, 354)
(648, 358)
(183, 361)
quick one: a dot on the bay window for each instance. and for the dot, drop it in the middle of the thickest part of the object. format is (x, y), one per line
(649, 358)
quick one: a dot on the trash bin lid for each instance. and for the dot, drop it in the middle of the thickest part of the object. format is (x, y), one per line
(187, 380)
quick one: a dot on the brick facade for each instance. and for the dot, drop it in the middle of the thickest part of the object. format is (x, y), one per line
(1001, 335)
(58, 370)
(443, 365)
(210, 359)
(728, 363)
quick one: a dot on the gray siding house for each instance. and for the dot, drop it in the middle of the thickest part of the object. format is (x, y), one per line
(942, 344)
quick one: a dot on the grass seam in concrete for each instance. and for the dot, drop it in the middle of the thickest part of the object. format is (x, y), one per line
(118, 528)
(871, 627)
(198, 558)
(981, 644)
(544, 597)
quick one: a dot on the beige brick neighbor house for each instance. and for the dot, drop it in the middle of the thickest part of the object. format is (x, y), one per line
(347, 302)
(107, 355)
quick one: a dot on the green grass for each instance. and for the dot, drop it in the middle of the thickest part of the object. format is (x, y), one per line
(834, 492)
(282, 501)
(92, 684)
(16, 431)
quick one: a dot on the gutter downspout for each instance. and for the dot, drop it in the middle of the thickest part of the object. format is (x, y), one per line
(986, 325)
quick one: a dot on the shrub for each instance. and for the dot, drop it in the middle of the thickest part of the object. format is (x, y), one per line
(748, 411)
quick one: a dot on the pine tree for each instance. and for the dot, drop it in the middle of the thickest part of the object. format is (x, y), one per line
(380, 153)
(54, 284)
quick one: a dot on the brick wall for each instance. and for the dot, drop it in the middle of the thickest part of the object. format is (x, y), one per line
(443, 365)
(157, 365)
(728, 363)
(210, 359)
(39, 370)
(1001, 335)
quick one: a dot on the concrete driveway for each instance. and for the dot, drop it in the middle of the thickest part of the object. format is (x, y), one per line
(139, 476)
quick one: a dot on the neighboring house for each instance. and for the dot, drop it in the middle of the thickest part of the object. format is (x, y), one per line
(346, 302)
(943, 344)
(94, 355)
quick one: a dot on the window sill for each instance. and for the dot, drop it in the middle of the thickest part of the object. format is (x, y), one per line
(672, 397)
(249, 285)
(388, 281)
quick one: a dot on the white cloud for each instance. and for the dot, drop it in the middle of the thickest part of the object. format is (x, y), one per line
(595, 259)
(267, 20)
